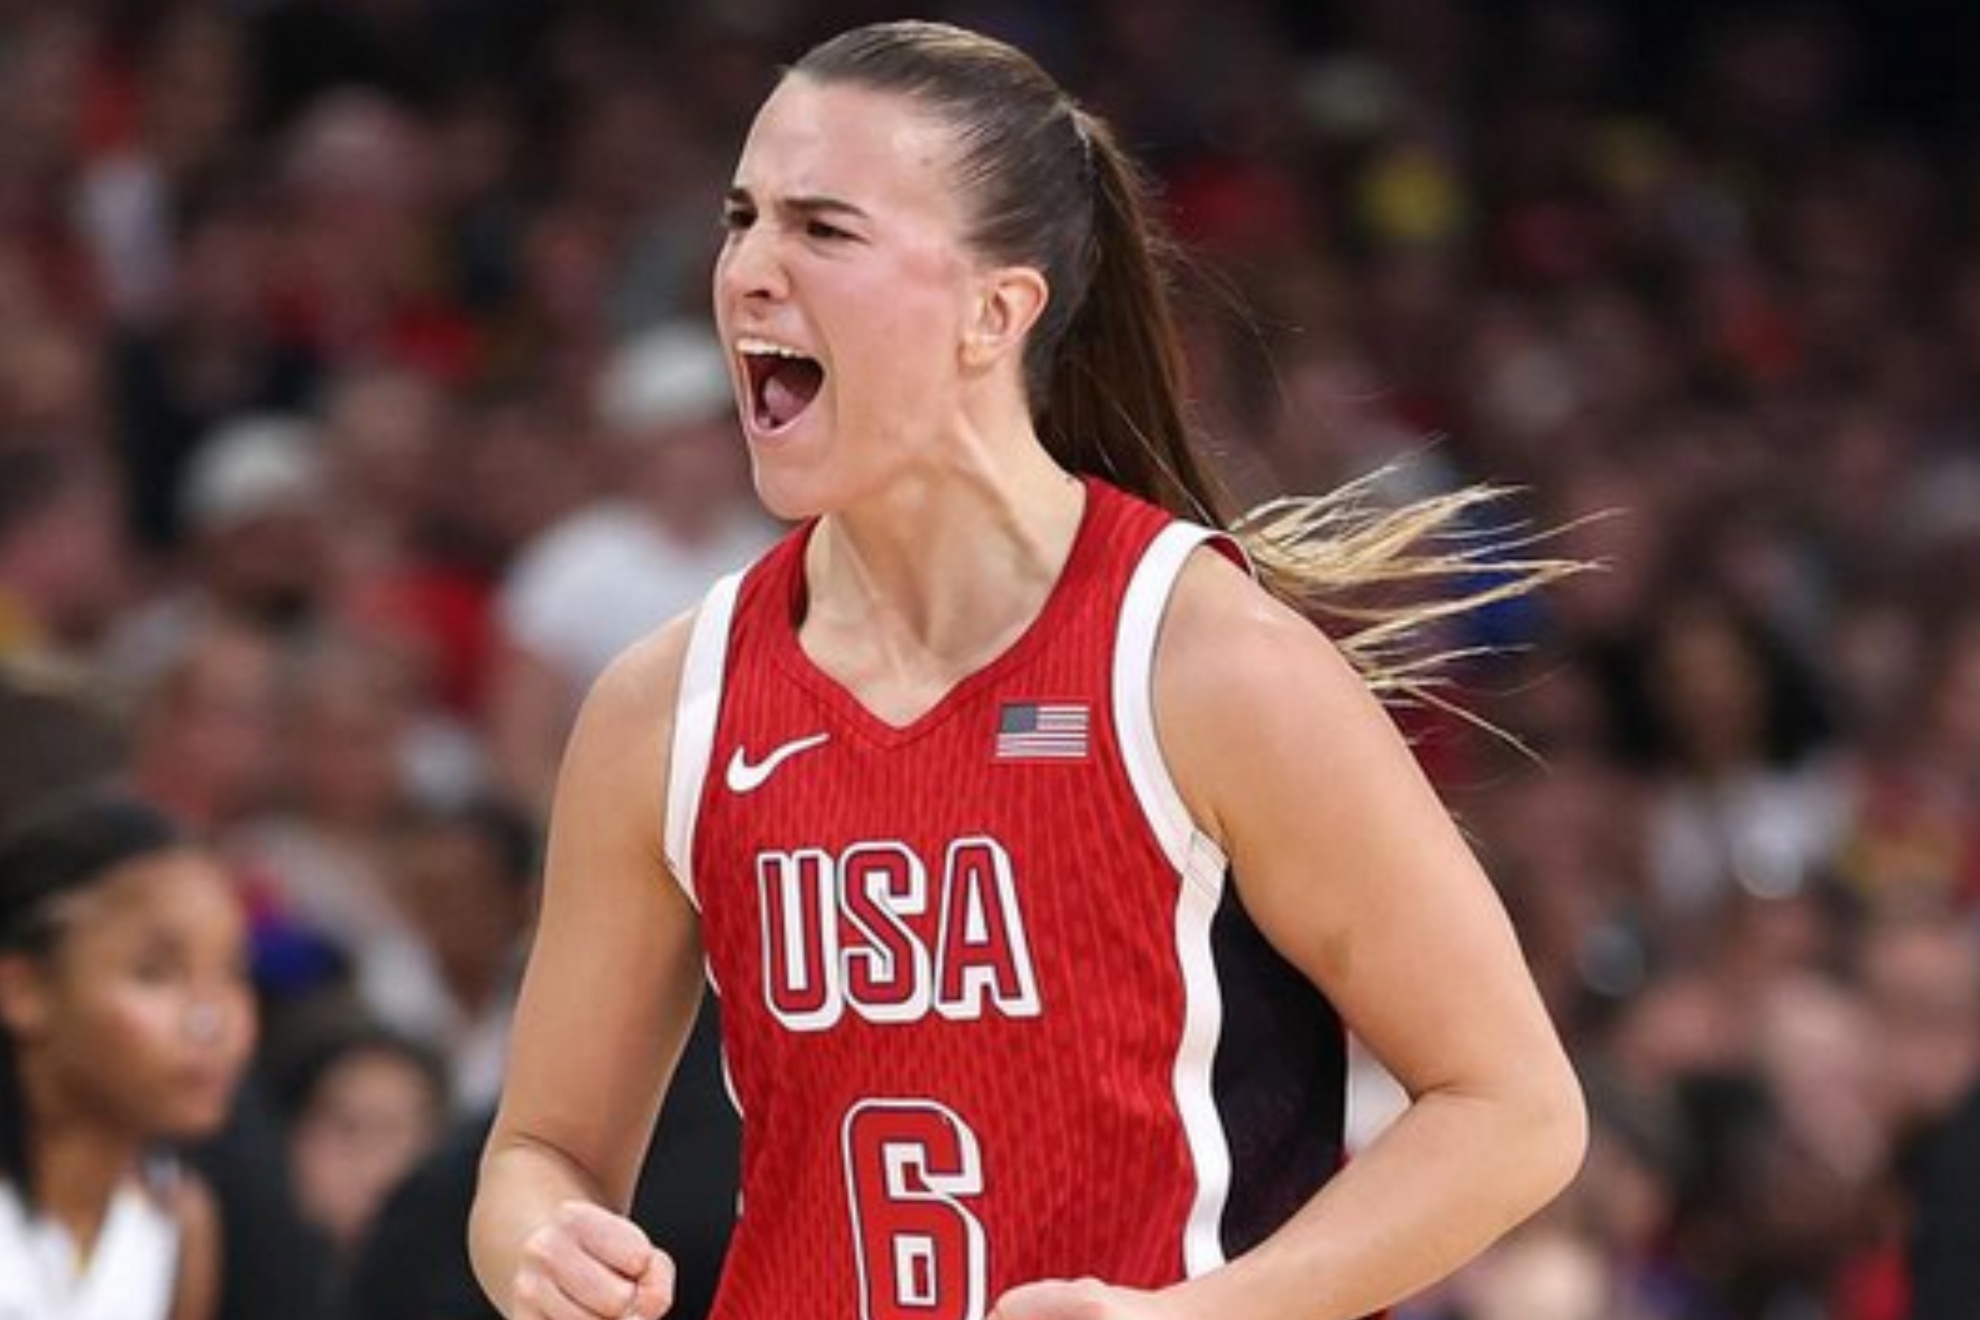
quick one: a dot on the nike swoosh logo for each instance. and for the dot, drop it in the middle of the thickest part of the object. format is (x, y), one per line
(742, 777)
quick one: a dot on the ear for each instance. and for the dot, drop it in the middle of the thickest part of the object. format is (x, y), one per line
(1008, 301)
(23, 996)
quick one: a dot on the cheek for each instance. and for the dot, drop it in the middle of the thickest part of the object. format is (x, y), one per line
(907, 319)
(132, 1025)
(140, 1018)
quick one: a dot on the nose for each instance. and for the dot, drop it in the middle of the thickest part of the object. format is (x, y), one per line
(212, 1017)
(205, 1021)
(750, 268)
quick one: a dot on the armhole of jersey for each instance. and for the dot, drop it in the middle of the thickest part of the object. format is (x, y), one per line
(696, 709)
(1196, 857)
(1201, 873)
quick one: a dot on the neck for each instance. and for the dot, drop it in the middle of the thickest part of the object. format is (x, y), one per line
(942, 569)
(77, 1163)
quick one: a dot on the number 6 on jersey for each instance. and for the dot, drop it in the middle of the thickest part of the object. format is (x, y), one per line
(910, 1165)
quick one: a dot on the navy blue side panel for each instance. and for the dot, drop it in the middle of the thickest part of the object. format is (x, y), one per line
(1280, 1079)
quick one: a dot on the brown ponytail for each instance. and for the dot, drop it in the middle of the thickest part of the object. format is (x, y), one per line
(1051, 188)
(1113, 407)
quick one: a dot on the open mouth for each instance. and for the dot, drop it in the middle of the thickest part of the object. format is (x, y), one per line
(782, 383)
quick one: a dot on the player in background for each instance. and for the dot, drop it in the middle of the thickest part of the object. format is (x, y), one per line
(126, 1019)
(1042, 855)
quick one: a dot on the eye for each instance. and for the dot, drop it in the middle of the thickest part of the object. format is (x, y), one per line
(737, 217)
(159, 965)
(819, 229)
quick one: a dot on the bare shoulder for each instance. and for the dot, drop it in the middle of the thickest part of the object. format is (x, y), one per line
(1228, 648)
(630, 707)
(643, 682)
(1246, 688)
(1220, 617)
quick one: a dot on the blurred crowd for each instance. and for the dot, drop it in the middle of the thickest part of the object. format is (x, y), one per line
(356, 407)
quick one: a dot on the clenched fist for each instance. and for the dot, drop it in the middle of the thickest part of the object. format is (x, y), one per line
(590, 1264)
(1081, 1299)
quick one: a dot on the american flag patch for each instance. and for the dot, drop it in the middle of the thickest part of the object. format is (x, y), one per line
(1042, 731)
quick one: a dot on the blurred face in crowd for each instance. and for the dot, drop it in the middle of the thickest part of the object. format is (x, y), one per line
(1710, 688)
(1922, 980)
(1955, 701)
(689, 474)
(383, 429)
(69, 556)
(471, 911)
(195, 89)
(371, 1117)
(872, 289)
(205, 738)
(140, 1019)
(1816, 1048)
(343, 736)
(269, 566)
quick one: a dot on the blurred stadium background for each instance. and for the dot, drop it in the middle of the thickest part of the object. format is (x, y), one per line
(352, 410)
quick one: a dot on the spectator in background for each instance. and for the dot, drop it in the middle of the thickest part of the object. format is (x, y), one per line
(61, 734)
(209, 354)
(677, 515)
(414, 1266)
(255, 510)
(318, 859)
(258, 539)
(61, 552)
(1912, 834)
(204, 725)
(361, 1105)
(1921, 978)
(125, 1021)
(467, 876)
(1736, 803)
(356, 282)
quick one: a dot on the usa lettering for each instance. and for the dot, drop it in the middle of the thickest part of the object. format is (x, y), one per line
(867, 931)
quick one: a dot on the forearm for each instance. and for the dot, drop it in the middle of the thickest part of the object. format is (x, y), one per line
(1452, 1174)
(522, 1184)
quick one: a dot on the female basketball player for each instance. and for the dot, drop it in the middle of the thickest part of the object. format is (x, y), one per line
(1039, 854)
(125, 1021)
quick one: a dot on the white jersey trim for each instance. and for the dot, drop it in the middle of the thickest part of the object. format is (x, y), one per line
(1200, 865)
(696, 709)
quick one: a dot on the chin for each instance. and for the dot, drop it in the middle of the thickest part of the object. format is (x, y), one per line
(196, 1115)
(790, 496)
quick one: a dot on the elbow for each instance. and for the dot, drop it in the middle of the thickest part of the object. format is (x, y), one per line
(479, 1248)
(1553, 1128)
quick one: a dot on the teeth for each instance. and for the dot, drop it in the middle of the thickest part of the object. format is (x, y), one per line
(766, 348)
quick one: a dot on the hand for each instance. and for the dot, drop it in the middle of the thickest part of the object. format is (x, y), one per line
(590, 1264)
(1080, 1299)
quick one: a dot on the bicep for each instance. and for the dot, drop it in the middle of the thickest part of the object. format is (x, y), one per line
(615, 971)
(1343, 853)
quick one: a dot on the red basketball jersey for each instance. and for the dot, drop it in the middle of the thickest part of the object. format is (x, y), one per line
(991, 1009)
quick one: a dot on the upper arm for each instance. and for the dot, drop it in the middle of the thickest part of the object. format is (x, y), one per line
(615, 970)
(1342, 852)
(196, 1290)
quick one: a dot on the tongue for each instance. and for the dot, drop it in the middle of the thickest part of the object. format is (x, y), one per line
(780, 401)
(789, 389)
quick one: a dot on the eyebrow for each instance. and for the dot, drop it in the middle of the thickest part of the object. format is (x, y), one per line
(807, 205)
